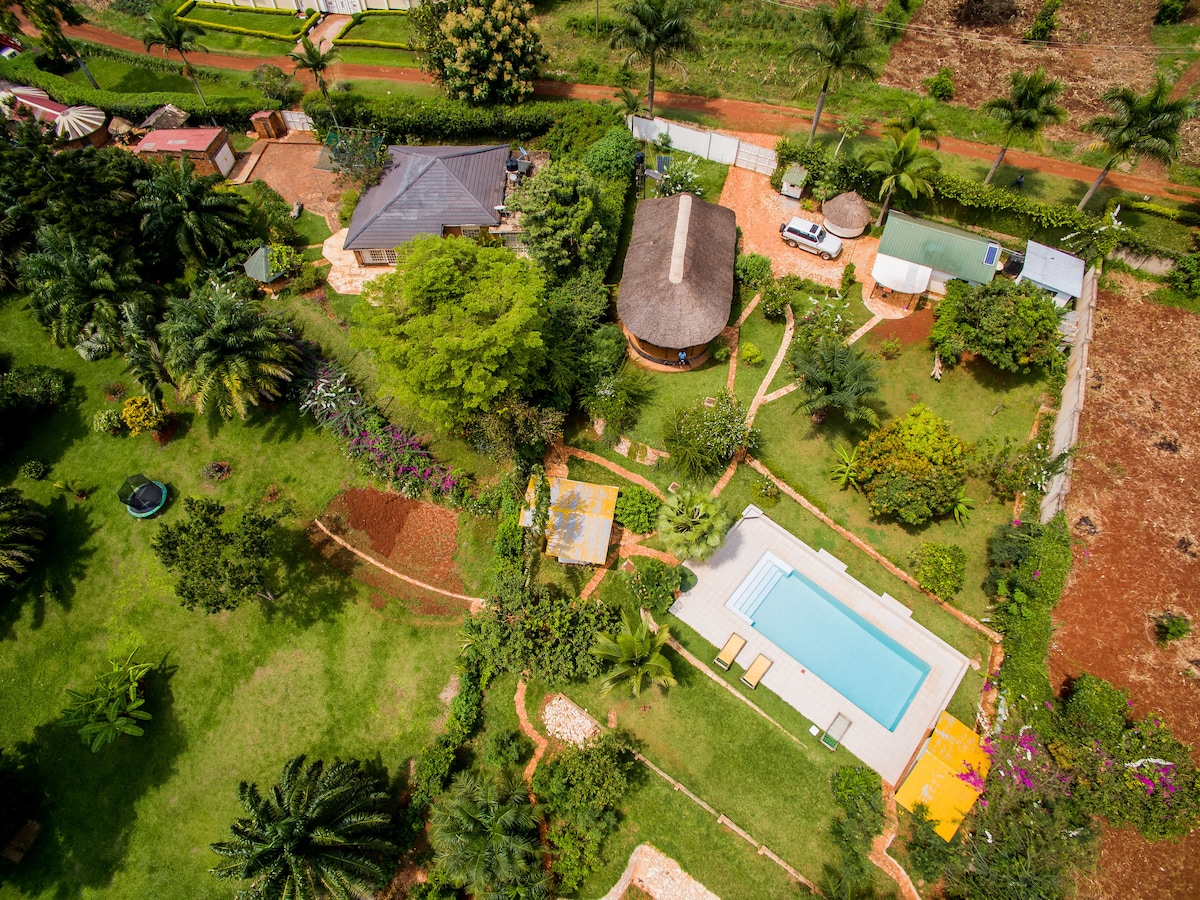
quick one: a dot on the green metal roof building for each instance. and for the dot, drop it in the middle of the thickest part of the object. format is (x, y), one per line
(916, 255)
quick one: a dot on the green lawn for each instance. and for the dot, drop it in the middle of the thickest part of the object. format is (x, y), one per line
(382, 88)
(232, 695)
(312, 228)
(390, 28)
(368, 56)
(230, 44)
(286, 27)
(123, 78)
(978, 400)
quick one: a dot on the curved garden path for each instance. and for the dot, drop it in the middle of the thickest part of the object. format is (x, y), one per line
(539, 743)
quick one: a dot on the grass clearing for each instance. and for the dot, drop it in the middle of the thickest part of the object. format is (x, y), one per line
(312, 228)
(390, 28)
(123, 78)
(367, 56)
(233, 695)
(286, 27)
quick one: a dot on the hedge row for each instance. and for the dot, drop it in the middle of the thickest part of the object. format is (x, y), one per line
(405, 118)
(138, 60)
(234, 113)
(252, 32)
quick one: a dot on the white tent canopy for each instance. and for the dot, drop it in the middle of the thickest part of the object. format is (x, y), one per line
(1054, 270)
(901, 276)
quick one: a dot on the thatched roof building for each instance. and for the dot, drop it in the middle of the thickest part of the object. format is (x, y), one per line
(846, 215)
(677, 287)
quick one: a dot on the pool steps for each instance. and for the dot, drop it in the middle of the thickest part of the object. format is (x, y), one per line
(754, 587)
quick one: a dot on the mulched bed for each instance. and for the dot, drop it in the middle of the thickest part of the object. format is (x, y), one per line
(1134, 508)
(417, 539)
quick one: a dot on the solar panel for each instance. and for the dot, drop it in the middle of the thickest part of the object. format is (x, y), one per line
(991, 254)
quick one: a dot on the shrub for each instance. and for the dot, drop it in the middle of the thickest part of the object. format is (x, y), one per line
(941, 86)
(141, 415)
(766, 491)
(1170, 12)
(654, 584)
(33, 469)
(693, 525)
(107, 421)
(1172, 627)
(750, 354)
(702, 439)
(637, 509)
(617, 399)
(274, 84)
(928, 853)
(848, 279)
(31, 387)
(680, 178)
(216, 471)
(509, 541)
(752, 270)
(1044, 22)
(913, 468)
(611, 157)
(138, 8)
(484, 51)
(284, 260)
(506, 748)
(112, 706)
(721, 350)
(1013, 326)
(940, 568)
(858, 791)
(890, 348)
(1185, 276)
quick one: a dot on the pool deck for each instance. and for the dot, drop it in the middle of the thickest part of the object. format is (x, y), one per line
(890, 753)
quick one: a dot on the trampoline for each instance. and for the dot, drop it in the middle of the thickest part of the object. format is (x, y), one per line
(141, 496)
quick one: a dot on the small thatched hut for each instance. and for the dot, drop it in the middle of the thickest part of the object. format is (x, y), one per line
(677, 287)
(846, 215)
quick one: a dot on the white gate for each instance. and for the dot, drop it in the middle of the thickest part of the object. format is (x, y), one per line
(755, 158)
(297, 120)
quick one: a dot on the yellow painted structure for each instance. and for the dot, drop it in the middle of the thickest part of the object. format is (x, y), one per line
(580, 523)
(953, 750)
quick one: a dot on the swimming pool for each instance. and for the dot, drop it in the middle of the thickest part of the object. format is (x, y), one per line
(854, 657)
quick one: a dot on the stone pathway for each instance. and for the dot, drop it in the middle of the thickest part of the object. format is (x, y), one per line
(652, 871)
(539, 743)
(560, 451)
(780, 356)
(879, 847)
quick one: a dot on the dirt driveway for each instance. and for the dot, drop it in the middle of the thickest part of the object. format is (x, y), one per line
(760, 211)
(289, 166)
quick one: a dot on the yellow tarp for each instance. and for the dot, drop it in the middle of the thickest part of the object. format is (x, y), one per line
(581, 517)
(953, 749)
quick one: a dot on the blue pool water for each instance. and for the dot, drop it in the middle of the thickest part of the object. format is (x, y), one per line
(852, 656)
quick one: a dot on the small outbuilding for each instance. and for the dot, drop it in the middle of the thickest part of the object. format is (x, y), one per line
(82, 126)
(166, 117)
(258, 266)
(580, 522)
(916, 255)
(1053, 270)
(207, 148)
(677, 287)
(846, 215)
(794, 180)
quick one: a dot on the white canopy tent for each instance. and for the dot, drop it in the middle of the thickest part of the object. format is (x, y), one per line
(901, 276)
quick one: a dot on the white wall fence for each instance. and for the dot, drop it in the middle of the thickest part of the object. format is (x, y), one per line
(721, 148)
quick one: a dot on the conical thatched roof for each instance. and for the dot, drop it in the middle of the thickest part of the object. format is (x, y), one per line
(846, 210)
(677, 285)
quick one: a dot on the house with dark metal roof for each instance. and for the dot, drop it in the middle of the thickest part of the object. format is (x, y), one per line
(428, 190)
(677, 286)
(916, 255)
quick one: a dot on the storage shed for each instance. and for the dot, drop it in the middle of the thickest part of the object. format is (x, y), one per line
(580, 523)
(207, 148)
(1053, 270)
(846, 215)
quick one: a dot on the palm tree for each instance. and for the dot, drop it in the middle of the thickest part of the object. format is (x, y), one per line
(181, 207)
(1026, 111)
(841, 47)
(318, 832)
(903, 164)
(20, 533)
(918, 115)
(1140, 125)
(654, 30)
(225, 352)
(171, 33)
(636, 655)
(693, 524)
(314, 59)
(76, 291)
(631, 102)
(484, 832)
(835, 377)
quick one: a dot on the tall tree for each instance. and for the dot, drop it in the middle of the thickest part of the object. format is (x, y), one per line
(20, 533)
(48, 17)
(76, 291)
(903, 164)
(693, 524)
(841, 47)
(1026, 111)
(1139, 125)
(312, 58)
(636, 655)
(482, 51)
(484, 833)
(320, 832)
(180, 207)
(171, 33)
(224, 351)
(654, 31)
(835, 377)
(568, 225)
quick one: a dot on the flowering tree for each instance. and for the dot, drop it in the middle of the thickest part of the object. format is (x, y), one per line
(481, 51)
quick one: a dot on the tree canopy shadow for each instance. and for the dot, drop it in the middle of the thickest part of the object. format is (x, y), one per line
(307, 588)
(91, 805)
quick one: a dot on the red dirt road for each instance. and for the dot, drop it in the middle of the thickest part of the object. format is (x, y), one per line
(738, 115)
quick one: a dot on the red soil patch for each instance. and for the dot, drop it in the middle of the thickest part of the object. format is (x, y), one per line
(417, 539)
(1135, 509)
(910, 330)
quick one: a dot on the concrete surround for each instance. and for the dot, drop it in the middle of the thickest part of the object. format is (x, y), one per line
(890, 753)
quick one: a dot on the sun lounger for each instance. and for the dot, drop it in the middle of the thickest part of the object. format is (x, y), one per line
(832, 738)
(729, 652)
(757, 670)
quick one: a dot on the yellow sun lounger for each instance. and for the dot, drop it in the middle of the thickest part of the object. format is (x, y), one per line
(757, 670)
(729, 652)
